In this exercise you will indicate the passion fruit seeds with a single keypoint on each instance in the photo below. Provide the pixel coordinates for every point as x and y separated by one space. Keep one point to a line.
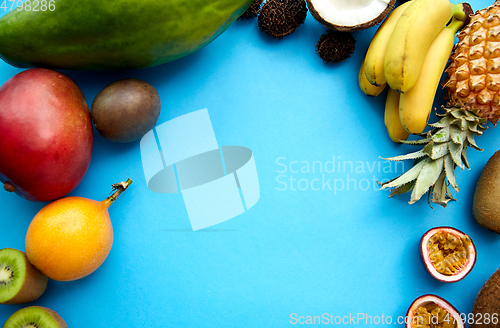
448 254
433 311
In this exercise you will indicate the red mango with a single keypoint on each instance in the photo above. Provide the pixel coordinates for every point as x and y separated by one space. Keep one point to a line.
45 135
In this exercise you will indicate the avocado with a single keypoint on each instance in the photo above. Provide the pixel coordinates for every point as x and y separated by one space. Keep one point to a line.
110 35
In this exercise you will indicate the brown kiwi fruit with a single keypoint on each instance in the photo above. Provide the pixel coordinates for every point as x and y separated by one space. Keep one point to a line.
35 316
20 281
485 205
486 310
125 110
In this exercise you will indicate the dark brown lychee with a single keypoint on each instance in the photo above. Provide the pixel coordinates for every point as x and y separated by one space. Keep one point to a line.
279 18
253 11
335 46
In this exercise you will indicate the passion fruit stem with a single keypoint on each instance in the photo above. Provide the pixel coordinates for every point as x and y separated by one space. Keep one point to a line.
118 188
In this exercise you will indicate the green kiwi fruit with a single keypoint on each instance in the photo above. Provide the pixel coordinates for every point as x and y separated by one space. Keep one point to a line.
35 316
485 205
125 110
20 281
486 309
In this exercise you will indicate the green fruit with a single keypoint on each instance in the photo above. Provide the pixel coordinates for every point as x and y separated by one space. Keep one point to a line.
105 35
485 205
20 281
125 110
35 316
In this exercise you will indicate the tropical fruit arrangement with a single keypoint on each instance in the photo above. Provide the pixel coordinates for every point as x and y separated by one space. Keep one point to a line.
46 126
410 61
471 88
408 55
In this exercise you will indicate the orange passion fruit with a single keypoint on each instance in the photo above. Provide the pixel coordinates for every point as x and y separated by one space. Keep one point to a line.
71 237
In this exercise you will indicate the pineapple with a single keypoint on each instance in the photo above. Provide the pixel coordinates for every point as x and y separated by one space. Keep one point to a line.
473 91
474 72
445 148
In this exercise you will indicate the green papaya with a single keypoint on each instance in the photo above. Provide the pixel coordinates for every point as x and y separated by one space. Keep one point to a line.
108 35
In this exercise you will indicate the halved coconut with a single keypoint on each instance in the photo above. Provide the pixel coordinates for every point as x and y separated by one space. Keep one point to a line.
448 253
432 311
349 15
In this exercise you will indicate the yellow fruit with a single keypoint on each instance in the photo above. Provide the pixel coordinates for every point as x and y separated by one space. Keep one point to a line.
473 75
395 129
365 85
415 105
71 237
413 34
473 89
375 55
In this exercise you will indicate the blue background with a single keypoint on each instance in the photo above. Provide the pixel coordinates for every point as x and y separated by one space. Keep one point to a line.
305 252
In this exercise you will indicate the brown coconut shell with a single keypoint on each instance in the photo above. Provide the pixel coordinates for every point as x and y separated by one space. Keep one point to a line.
33 286
317 15
488 301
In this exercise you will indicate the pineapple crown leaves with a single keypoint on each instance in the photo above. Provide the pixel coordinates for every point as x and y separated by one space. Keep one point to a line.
444 148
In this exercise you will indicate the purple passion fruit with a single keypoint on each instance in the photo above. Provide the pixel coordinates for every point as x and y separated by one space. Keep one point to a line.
432 311
125 110
448 254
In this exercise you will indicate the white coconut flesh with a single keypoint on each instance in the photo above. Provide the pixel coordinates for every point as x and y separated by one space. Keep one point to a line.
465 265
430 301
350 13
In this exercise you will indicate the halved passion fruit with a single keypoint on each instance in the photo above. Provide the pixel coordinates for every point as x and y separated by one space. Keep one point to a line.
448 254
433 311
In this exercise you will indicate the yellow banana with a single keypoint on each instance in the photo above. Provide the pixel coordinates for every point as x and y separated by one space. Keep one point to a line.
391 117
374 59
413 34
415 106
365 85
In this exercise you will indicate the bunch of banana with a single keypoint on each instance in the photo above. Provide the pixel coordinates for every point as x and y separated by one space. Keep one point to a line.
409 53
